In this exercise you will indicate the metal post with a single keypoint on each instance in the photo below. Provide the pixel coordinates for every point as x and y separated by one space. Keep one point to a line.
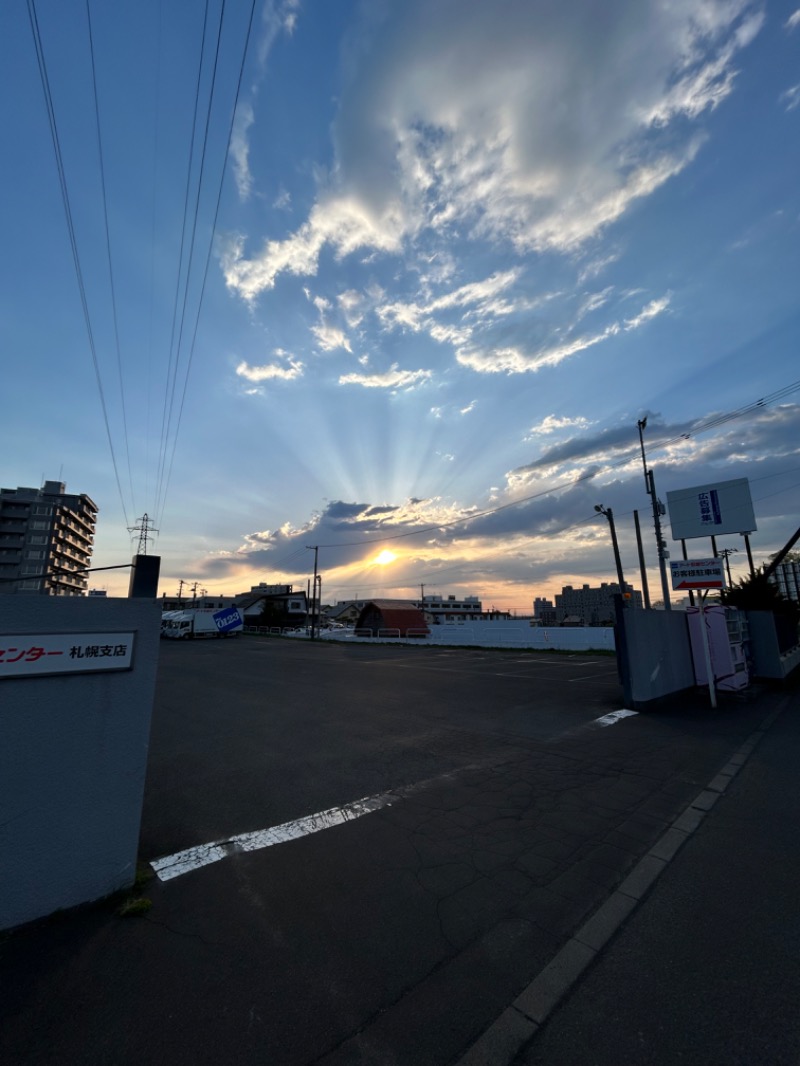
714 551
691 594
610 516
650 483
314 595
749 554
645 588
712 692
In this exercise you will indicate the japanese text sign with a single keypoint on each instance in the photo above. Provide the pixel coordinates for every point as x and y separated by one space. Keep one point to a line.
35 654
697 574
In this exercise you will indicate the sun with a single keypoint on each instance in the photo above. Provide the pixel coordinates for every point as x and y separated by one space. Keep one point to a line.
385 557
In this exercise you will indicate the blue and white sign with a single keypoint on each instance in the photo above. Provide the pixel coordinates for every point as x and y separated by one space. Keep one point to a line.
711 510
227 619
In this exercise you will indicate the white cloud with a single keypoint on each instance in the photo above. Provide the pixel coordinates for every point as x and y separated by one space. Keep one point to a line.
511 123
793 20
551 424
791 97
271 371
393 378
593 301
351 304
470 407
330 338
513 359
342 222
240 149
655 307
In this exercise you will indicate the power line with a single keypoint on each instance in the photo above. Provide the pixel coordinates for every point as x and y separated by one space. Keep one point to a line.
245 50
65 199
108 248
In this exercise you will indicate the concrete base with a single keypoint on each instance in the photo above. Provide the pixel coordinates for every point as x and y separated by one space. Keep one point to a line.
73 758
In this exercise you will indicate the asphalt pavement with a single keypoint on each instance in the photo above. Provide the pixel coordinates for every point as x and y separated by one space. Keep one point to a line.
395 845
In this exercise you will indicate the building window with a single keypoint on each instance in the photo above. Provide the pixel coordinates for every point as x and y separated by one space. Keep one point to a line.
34 554
29 584
43 510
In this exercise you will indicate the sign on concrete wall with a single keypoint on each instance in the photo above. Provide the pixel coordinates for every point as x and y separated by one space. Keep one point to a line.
711 510
697 574
34 654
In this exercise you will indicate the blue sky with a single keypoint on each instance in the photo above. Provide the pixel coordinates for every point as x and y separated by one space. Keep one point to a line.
455 252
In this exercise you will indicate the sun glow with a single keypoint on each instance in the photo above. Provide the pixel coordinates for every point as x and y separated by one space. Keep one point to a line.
385 557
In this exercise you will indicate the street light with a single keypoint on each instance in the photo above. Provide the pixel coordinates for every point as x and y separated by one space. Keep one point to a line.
658 510
610 516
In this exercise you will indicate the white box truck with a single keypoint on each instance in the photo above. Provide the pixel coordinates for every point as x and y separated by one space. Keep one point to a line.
187 625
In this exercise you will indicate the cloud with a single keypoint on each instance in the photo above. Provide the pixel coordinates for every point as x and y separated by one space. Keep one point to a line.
551 424
655 307
793 20
240 149
509 122
330 337
272 371
470 407
515 360
394 378
791 97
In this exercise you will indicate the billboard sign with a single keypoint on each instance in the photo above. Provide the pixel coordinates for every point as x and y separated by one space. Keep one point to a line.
711 510
697 574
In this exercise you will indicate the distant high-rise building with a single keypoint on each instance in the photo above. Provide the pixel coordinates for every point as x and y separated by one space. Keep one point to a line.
46 540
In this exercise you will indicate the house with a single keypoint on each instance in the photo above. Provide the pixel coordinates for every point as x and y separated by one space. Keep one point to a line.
273 605
388 617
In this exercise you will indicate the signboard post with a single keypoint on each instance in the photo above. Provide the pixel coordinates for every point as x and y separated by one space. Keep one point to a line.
702 574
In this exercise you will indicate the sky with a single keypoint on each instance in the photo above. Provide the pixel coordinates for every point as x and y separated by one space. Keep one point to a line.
399 279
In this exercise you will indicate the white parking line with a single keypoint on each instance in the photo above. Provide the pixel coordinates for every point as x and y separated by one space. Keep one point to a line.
614 716
182 862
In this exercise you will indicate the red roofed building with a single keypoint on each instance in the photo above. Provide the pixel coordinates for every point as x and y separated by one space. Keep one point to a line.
388 617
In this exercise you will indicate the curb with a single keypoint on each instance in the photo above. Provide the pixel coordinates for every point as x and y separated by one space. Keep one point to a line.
507 1035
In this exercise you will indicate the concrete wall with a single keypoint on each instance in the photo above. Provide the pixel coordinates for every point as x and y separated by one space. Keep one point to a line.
654 654
768 660
73 757
511 633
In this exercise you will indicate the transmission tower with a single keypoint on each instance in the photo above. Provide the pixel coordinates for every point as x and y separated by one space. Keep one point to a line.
145 531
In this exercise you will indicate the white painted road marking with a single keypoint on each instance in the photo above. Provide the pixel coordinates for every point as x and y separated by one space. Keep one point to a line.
182 862
610 719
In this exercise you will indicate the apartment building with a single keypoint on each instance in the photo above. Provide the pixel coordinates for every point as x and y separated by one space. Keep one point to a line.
592 606
46 540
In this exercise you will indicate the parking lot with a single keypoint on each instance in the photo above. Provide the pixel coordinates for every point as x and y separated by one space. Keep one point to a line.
387 844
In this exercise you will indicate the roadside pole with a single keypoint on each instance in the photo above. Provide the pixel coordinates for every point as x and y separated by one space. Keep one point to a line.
712 690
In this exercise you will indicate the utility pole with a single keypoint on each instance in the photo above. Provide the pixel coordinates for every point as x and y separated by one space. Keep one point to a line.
610 516
658 510
181 583
726 554
314 595
642 567
421 596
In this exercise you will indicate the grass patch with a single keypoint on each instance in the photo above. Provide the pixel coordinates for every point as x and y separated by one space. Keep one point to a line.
135 905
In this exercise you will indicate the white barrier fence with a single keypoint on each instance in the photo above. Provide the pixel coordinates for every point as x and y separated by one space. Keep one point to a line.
481 634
